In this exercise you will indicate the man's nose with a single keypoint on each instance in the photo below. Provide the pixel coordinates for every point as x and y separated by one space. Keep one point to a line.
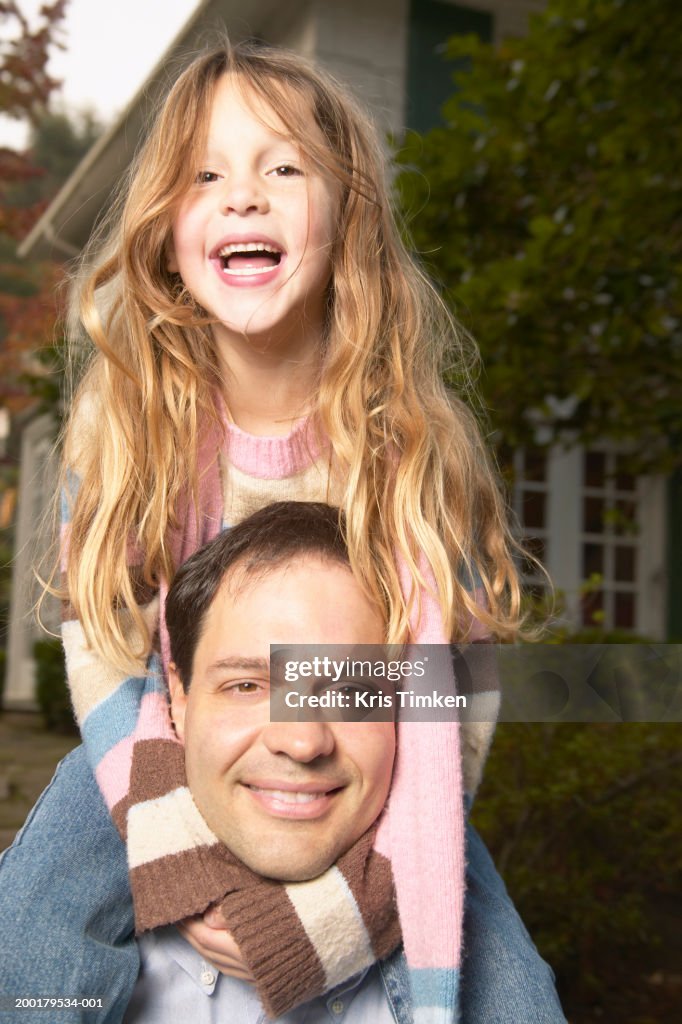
301 741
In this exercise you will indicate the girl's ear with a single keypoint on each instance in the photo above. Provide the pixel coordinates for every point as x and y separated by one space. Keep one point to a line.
178 701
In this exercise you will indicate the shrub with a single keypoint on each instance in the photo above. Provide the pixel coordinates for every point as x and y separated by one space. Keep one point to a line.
52 692
584 822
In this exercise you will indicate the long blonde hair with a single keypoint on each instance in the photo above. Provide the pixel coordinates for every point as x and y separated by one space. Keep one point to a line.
419 479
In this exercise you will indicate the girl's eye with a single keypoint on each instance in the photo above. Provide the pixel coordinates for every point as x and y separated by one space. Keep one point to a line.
286 171
206 177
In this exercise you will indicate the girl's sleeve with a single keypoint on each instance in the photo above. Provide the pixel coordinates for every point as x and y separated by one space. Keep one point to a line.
109 706
175 862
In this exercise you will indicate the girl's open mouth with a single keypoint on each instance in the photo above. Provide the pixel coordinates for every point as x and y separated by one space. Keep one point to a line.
248 259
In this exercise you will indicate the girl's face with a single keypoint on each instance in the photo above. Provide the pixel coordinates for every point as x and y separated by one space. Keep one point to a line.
252 239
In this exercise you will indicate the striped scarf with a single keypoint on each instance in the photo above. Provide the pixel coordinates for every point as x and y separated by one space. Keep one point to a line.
293 948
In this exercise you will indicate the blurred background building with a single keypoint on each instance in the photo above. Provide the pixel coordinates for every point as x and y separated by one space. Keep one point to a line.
582 511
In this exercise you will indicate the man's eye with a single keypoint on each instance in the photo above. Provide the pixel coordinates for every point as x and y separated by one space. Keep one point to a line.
206 177
244 688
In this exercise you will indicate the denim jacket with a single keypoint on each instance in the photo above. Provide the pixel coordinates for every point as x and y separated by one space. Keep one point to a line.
396 981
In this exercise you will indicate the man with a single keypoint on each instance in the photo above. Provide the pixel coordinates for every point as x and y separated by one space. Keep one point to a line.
297 803
288 799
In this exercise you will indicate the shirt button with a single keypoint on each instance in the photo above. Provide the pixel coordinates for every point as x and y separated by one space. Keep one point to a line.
207 977
337 1007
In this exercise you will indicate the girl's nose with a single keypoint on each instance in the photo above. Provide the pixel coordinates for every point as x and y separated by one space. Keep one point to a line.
244 194
301 741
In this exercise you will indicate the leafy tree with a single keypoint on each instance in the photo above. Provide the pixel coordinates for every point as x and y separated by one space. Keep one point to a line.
58 140
28 180
31 356
25 88
550 207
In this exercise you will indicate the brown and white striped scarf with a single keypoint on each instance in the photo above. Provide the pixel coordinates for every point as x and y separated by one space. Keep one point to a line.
292 942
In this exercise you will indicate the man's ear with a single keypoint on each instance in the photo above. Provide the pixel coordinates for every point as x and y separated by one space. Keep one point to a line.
178 701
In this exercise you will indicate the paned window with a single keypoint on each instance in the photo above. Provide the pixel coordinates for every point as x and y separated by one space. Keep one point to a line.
609 540
599 531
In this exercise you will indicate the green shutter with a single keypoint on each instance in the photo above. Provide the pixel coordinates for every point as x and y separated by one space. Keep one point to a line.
429 76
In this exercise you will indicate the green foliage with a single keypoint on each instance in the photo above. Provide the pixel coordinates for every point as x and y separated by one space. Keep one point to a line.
34 349
25 88
57 143
52 691
549 207
47 380
584 821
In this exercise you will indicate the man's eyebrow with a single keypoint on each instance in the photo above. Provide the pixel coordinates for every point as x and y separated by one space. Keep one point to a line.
239 661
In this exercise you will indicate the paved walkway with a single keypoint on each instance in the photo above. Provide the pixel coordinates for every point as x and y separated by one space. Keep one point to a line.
28 756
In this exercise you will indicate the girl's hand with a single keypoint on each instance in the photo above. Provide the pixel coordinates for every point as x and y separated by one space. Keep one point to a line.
208 935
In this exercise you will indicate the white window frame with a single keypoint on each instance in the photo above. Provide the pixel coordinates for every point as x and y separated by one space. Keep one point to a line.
564 536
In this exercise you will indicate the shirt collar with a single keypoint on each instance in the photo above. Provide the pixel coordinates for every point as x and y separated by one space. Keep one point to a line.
205 976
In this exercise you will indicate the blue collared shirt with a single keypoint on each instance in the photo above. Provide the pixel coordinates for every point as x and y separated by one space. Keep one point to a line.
176 985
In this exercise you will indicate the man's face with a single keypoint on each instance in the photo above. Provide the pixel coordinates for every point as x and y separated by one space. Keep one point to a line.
287 798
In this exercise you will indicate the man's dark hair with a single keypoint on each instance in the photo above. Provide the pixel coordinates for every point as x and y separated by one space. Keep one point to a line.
272 537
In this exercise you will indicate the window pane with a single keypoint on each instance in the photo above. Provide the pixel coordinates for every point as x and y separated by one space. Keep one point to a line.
624 611
536 546
595 469
528 568
625 518
624 569
593 560
625 481
534 508
534 465
592 606
593 515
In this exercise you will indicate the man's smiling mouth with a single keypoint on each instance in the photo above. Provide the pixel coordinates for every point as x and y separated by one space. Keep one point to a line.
305 801
293 797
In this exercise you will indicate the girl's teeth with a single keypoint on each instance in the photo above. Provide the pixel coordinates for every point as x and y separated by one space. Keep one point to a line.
247 272
245 247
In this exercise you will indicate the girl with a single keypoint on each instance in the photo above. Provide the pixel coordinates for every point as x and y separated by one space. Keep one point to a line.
260 332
